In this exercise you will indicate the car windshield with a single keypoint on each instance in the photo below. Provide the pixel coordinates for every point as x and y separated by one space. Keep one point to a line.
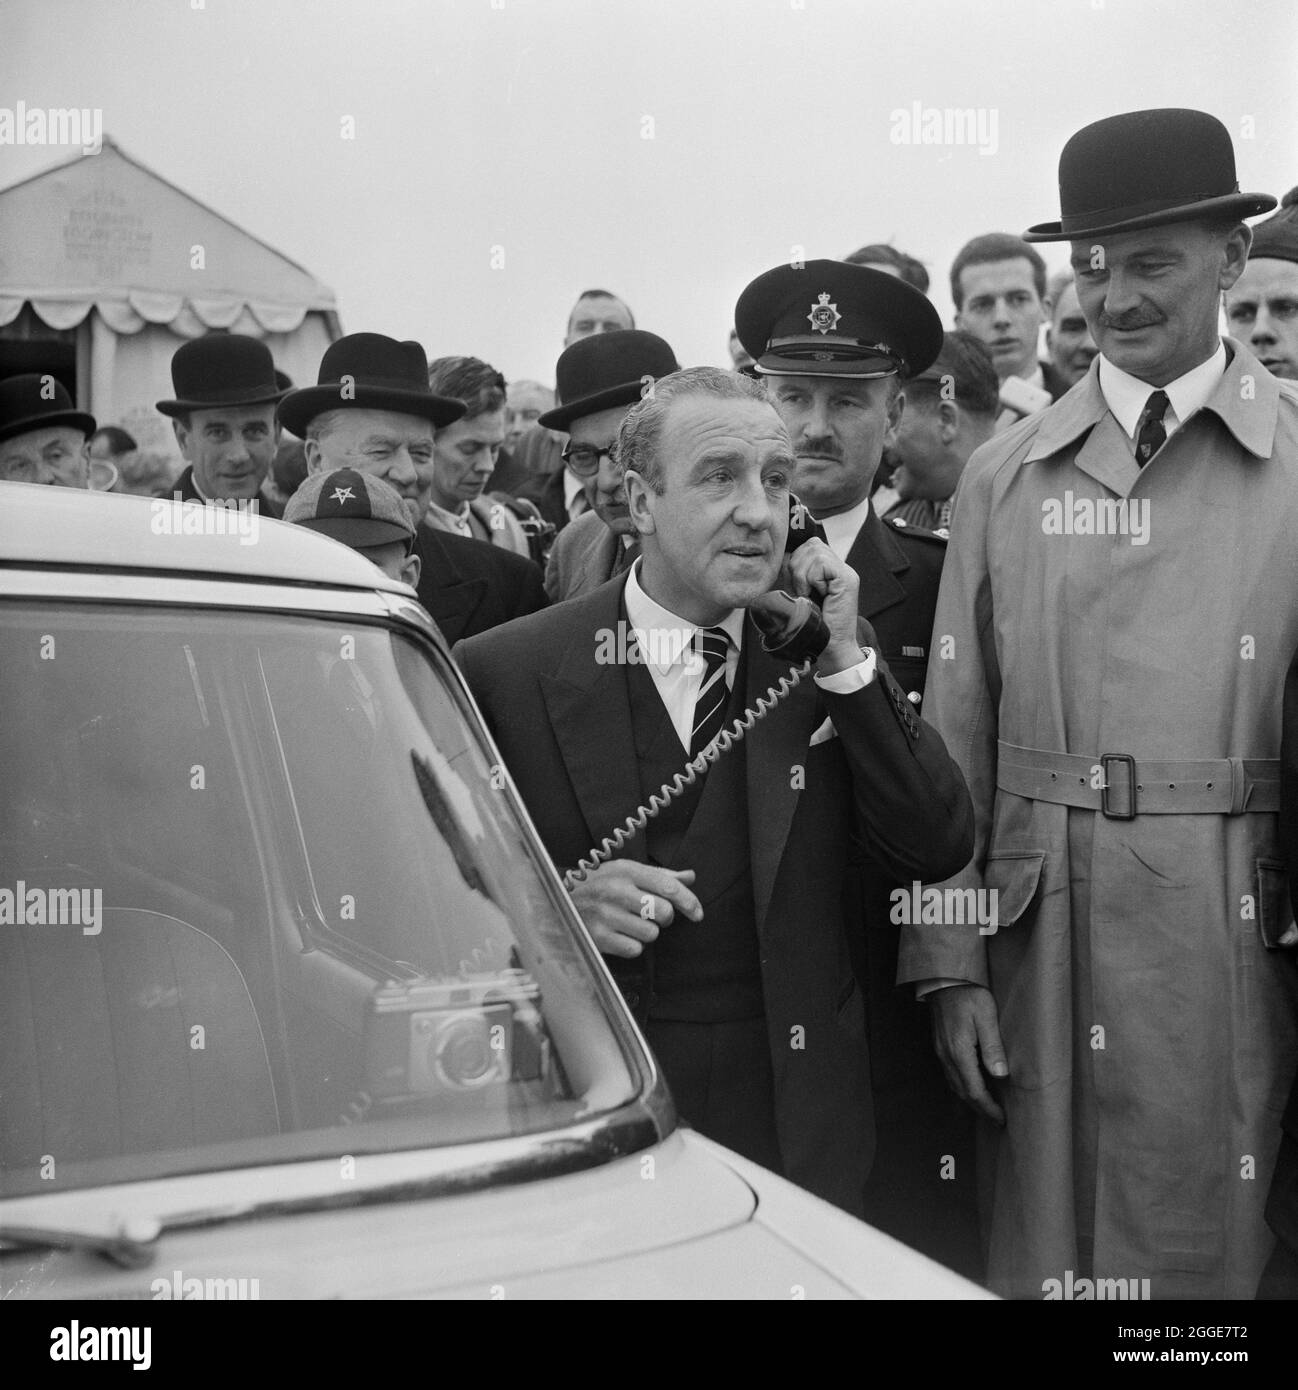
263 897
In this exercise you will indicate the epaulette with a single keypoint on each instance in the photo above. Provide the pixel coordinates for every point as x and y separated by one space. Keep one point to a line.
908 528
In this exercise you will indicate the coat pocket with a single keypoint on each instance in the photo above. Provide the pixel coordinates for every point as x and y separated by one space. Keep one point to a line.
1275 920
1013 878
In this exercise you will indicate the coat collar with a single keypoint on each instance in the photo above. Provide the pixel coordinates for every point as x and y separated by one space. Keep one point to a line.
1246 401
590 713
878 560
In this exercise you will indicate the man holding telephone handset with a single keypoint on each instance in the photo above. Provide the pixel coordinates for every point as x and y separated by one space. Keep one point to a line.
722 917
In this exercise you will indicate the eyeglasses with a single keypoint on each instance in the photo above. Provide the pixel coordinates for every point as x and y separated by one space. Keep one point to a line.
583 459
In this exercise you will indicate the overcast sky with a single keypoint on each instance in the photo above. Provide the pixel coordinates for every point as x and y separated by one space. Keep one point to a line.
669 150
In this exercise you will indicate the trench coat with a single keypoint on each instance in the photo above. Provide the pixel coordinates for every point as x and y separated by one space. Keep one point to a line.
1147 1008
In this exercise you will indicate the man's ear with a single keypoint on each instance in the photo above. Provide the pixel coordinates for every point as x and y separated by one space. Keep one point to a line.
314 457
182 438
638 493
896 409
948 421
1235 255
410 568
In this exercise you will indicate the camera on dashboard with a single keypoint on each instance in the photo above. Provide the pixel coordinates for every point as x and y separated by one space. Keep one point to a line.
427 1037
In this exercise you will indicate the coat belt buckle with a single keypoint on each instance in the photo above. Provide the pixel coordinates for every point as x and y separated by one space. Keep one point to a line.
1105 809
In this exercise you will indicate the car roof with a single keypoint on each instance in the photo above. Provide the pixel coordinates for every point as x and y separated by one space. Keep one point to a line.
65 526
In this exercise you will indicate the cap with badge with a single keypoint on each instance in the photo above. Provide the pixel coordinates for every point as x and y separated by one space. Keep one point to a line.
831 318
352 507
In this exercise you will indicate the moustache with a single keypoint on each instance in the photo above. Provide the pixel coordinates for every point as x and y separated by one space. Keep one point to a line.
1127 324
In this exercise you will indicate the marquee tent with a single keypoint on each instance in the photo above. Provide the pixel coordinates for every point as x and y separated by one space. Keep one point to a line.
106 268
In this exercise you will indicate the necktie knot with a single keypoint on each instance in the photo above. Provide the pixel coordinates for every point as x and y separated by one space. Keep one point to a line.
713 645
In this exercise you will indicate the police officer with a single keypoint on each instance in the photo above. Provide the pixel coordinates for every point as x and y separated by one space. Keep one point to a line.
835 343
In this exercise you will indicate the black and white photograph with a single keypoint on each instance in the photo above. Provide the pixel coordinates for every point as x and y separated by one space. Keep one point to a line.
649 651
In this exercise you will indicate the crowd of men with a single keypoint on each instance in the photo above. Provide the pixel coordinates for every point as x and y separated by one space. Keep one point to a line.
1059 607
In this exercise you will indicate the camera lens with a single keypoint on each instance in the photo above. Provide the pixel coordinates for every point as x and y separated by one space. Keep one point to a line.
462 1052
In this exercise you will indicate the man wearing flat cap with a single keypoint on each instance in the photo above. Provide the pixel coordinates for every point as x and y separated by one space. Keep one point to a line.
1262 305
372 410
1119 602
223 416
44 438
835 344
599 379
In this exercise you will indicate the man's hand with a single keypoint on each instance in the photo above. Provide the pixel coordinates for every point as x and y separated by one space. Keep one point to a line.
625 904
964 1026
813 569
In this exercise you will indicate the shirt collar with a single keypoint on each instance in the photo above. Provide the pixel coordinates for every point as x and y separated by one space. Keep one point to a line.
1245 399
648 615
1037 379
841 530
1126 395
460 519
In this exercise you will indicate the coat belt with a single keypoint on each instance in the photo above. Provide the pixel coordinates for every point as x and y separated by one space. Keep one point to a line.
1128 786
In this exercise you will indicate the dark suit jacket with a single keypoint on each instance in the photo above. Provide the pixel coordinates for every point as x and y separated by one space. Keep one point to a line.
900 568
189 493
562 721
469 586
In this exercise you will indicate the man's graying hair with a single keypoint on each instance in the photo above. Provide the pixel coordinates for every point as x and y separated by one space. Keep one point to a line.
640 434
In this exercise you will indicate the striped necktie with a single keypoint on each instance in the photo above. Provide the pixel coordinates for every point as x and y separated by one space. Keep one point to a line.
1151 434
712 644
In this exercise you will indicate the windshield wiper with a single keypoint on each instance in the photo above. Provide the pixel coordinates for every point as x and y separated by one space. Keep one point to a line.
132 1245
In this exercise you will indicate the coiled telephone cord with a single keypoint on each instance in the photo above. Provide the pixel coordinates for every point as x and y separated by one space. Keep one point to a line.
669 791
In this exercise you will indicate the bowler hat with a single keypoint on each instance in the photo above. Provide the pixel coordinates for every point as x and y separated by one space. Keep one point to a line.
352 507
368 371
221 369
36 401
605 370
1144 169
831 318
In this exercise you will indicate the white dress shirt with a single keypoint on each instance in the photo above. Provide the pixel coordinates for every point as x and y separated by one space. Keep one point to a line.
454 521
1126 395
666 643
841 530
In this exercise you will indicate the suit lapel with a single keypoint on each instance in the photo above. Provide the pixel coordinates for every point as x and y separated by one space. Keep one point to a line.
590 714
877 560
776 746
451 598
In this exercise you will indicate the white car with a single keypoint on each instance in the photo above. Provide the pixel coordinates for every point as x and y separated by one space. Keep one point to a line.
294 1004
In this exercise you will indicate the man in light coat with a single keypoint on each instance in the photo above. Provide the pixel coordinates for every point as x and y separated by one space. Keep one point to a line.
1118 606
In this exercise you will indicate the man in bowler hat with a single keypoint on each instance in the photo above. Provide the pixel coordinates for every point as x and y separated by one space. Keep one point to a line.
44 438
1119 603
372 410
599 379
223 414
835 344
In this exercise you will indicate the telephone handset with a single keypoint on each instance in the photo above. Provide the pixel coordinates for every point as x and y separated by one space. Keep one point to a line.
792 630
